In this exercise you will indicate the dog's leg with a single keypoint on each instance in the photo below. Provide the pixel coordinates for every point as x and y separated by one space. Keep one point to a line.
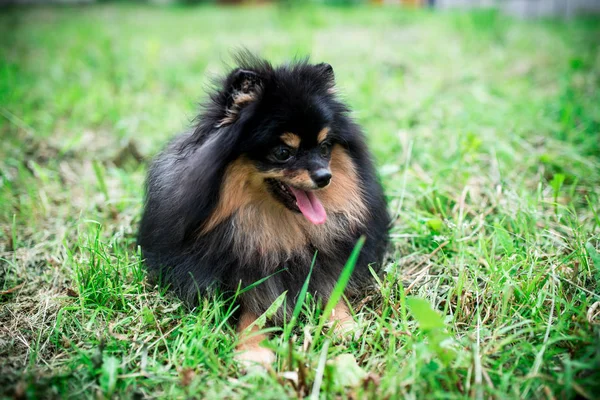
343 323
249 348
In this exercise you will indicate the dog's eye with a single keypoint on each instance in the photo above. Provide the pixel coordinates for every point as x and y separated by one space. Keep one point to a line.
325 149
281 153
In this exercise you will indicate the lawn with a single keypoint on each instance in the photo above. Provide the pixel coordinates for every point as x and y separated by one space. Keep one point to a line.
486 131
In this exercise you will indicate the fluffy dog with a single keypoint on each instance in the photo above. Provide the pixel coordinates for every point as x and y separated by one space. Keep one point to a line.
274 171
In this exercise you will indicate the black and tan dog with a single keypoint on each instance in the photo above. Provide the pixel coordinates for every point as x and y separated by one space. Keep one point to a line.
274 171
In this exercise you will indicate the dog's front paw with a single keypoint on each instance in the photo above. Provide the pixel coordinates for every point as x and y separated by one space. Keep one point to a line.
346 330
254 356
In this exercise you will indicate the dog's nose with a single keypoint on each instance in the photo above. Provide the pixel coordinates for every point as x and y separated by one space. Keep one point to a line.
321 177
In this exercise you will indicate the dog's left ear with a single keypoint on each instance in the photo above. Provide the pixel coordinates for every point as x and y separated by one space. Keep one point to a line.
242 87
326 71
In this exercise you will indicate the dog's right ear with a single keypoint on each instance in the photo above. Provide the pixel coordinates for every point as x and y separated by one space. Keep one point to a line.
326 71
242 87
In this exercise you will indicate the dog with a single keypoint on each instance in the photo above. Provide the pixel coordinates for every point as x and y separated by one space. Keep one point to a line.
274 171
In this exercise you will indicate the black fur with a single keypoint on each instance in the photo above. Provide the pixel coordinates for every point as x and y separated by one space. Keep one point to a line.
184 182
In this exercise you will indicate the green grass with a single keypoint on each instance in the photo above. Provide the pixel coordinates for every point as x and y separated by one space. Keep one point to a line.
487 133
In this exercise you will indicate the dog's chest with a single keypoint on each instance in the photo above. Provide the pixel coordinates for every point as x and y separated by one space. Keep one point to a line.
272 238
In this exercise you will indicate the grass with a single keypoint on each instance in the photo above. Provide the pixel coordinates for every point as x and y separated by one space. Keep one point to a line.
487 133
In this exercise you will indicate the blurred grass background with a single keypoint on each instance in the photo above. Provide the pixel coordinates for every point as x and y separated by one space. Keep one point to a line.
487 133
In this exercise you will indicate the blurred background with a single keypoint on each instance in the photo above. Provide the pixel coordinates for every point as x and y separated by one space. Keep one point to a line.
524 8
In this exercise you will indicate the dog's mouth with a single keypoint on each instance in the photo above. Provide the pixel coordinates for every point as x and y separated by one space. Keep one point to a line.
298 200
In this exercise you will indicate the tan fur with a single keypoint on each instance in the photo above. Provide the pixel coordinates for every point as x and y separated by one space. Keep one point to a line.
344 192
340 312
248 336
344 325
249 342
240 99
322 134
291 139
264 225
300 179
259 218
236 192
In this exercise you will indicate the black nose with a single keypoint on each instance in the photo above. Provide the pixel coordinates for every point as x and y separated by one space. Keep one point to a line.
321 177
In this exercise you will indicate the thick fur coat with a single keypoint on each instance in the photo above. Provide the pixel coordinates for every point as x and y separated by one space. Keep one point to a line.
274 171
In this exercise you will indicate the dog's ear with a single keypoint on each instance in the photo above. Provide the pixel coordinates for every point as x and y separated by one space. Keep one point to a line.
244 81
242 88
326 71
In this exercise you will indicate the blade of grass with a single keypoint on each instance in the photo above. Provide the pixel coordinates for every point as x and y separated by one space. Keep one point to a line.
98 170
299 303
339 288
14 232
593 209
258 282
320 371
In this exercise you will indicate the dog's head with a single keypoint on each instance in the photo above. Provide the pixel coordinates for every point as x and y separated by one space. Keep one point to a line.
291 131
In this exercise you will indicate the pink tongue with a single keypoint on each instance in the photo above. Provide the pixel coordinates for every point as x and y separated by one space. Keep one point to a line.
310 206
